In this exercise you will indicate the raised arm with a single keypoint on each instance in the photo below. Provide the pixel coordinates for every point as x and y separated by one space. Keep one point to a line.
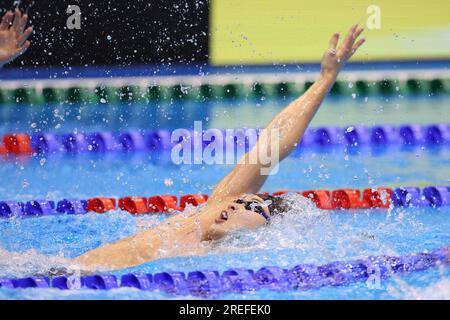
13 36
284 132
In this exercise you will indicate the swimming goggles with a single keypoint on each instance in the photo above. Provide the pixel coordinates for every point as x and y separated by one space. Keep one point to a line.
255 207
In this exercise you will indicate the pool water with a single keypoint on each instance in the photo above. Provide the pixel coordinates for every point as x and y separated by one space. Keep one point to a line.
30 246
338 111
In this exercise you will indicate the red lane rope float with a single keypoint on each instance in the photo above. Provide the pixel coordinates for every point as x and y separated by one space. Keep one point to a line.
321 198
101 205
348 199
167 203
142 205
134 205
378 198
193 199
17 143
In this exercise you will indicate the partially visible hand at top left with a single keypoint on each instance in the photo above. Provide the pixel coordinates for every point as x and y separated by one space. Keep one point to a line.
13 36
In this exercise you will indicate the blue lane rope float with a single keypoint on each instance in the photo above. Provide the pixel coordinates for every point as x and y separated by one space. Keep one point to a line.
210 283
71 206
432 196
160 140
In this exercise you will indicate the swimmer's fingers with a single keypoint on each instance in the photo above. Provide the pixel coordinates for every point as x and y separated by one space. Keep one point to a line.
6 20
348 40
21 50
358 44
357 33
24 36
24 47
346 49
333 42
17 20
22 24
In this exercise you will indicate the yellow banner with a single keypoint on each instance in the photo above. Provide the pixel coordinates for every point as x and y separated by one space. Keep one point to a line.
296 31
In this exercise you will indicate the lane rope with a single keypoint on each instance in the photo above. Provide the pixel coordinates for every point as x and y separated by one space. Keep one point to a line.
339 199
147 91
160 140
210 283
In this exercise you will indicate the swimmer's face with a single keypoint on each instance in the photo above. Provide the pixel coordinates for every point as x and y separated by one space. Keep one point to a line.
236 216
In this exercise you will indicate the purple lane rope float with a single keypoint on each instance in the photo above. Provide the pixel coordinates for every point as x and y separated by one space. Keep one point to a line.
160 140
210 283
339 199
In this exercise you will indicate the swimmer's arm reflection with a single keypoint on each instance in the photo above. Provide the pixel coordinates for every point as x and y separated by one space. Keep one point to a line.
13 36
180 235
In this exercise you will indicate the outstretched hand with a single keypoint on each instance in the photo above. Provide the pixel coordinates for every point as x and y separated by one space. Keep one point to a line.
335 57
13 36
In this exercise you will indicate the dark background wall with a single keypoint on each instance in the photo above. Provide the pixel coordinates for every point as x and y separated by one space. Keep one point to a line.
117 32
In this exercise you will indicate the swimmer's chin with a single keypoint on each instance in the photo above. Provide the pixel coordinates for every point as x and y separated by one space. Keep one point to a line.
216 232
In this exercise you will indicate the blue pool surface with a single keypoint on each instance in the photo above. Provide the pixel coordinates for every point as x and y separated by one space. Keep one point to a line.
29 246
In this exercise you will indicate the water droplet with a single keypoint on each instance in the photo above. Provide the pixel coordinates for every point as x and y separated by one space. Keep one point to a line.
168 182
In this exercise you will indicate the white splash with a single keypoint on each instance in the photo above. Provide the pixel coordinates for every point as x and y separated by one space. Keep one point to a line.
30 262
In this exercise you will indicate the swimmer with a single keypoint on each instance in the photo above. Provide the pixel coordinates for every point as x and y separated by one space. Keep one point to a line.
13 36
235 203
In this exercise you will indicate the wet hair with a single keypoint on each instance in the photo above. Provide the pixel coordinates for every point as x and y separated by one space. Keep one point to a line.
278 204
